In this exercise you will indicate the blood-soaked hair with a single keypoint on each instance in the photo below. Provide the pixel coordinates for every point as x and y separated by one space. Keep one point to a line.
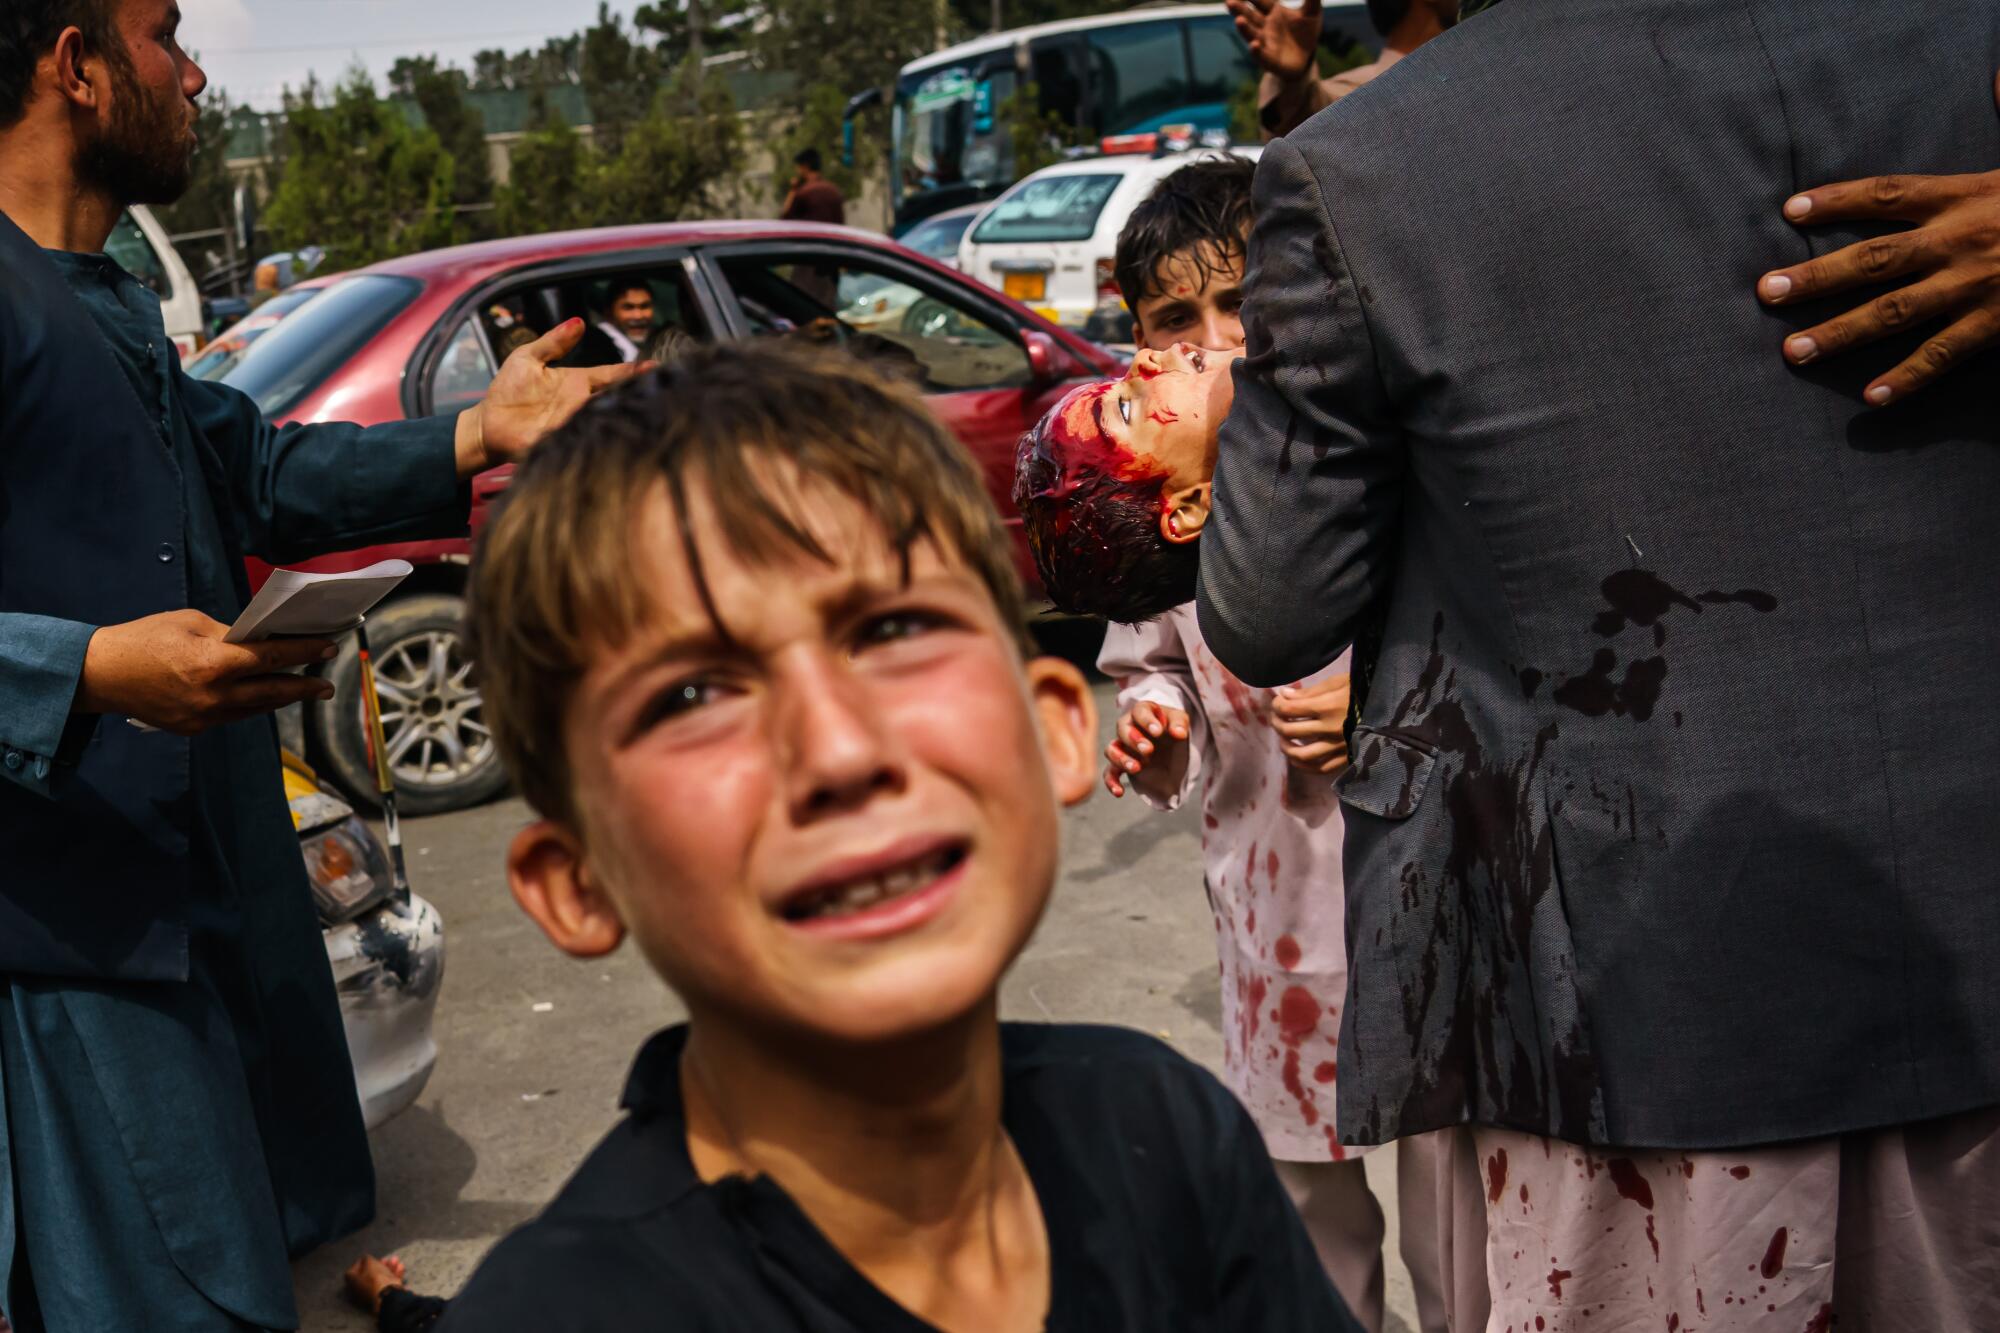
1201 214
1093 528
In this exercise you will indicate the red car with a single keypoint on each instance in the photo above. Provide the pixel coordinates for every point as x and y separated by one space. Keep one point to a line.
423 335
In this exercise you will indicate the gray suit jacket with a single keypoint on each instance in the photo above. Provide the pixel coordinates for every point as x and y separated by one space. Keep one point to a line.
1672 817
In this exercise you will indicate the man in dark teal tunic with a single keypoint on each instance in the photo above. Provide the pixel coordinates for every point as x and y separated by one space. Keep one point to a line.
177 1110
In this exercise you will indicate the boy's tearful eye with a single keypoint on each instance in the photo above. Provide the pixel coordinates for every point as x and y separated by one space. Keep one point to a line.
678 700
1125 409
897 627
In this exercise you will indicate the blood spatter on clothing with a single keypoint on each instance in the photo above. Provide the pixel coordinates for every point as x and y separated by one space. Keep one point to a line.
1594 693
1524 1194
1641 598
1653 1238
1773 1262
1673 1323
1701 1306
1496 1175
1822 1319
1271 864
1740 1172
1308 1107
1298 1015
1259 988
1287 952
1250 922
1753 598
1687 1168
1336 1151
1209 821
1326 1071
1625 1176
1637 597
1558 1276
1475 1003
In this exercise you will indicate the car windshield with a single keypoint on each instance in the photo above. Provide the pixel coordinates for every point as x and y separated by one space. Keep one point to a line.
938 238
279 369
1048 208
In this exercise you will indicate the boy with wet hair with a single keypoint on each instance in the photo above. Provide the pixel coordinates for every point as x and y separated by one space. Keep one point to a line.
1180 258
1114 491
736 624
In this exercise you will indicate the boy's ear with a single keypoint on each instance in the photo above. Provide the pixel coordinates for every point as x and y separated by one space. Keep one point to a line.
1068 716
1186 514
545 868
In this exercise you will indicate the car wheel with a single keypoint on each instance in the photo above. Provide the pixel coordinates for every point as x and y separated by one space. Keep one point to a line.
927 318
433 725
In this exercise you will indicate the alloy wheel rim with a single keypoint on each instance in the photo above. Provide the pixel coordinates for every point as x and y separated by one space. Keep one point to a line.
432 716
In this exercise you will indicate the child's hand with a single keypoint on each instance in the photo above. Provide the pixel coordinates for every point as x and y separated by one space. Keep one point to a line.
370 1277
1146 734
1311 723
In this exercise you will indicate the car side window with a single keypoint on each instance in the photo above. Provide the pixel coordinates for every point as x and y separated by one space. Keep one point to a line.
128 247
628 314
464 371
945 344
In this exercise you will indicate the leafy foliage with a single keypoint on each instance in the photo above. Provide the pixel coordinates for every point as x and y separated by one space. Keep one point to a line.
673 163
359 179
460 128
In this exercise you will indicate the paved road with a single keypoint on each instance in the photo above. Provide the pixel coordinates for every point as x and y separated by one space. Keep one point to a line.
519 1095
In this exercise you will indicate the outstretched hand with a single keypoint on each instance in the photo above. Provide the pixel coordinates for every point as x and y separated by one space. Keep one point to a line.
1284 41
1949 263
530 397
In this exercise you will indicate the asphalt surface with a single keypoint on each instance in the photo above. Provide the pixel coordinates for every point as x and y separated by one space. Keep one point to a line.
534 1045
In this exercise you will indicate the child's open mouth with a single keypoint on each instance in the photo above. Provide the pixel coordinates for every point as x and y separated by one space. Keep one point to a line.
881 898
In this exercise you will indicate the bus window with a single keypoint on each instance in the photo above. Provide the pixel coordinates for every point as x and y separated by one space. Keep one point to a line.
1222 62
1139 73
1057 69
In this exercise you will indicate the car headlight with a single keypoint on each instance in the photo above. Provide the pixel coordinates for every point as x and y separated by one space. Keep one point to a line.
348 869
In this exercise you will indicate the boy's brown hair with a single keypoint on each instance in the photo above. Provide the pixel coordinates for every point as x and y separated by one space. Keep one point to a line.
553 584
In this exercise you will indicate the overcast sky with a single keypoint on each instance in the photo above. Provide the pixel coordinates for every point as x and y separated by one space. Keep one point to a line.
253 49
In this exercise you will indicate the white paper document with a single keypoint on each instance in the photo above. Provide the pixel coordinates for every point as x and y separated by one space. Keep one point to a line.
315 605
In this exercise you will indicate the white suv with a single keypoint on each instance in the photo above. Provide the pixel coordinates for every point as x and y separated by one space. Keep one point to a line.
1049 241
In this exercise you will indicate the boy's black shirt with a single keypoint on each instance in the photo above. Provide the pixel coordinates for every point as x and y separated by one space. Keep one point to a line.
1163 1212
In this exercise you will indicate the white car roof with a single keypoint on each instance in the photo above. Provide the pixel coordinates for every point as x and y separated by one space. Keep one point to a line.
1135 164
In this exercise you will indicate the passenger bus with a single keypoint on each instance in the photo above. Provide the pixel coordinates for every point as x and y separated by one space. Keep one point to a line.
1123 73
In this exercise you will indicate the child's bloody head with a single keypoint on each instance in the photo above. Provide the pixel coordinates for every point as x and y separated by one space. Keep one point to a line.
1113 485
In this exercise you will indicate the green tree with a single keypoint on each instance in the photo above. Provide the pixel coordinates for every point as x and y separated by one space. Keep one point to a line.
359 179
459 126
674 163
551 178
685 30
619 77
850 44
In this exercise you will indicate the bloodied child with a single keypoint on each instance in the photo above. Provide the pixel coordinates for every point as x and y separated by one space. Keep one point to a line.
737 626
1113 487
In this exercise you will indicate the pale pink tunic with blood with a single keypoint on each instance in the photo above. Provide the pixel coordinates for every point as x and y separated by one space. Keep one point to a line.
1271 853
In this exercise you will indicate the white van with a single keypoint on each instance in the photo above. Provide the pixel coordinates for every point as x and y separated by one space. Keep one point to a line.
1048 242
140 245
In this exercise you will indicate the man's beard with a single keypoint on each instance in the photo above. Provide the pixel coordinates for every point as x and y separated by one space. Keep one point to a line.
144 153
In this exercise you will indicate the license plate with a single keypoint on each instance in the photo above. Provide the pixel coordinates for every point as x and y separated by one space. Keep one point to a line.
1025 286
